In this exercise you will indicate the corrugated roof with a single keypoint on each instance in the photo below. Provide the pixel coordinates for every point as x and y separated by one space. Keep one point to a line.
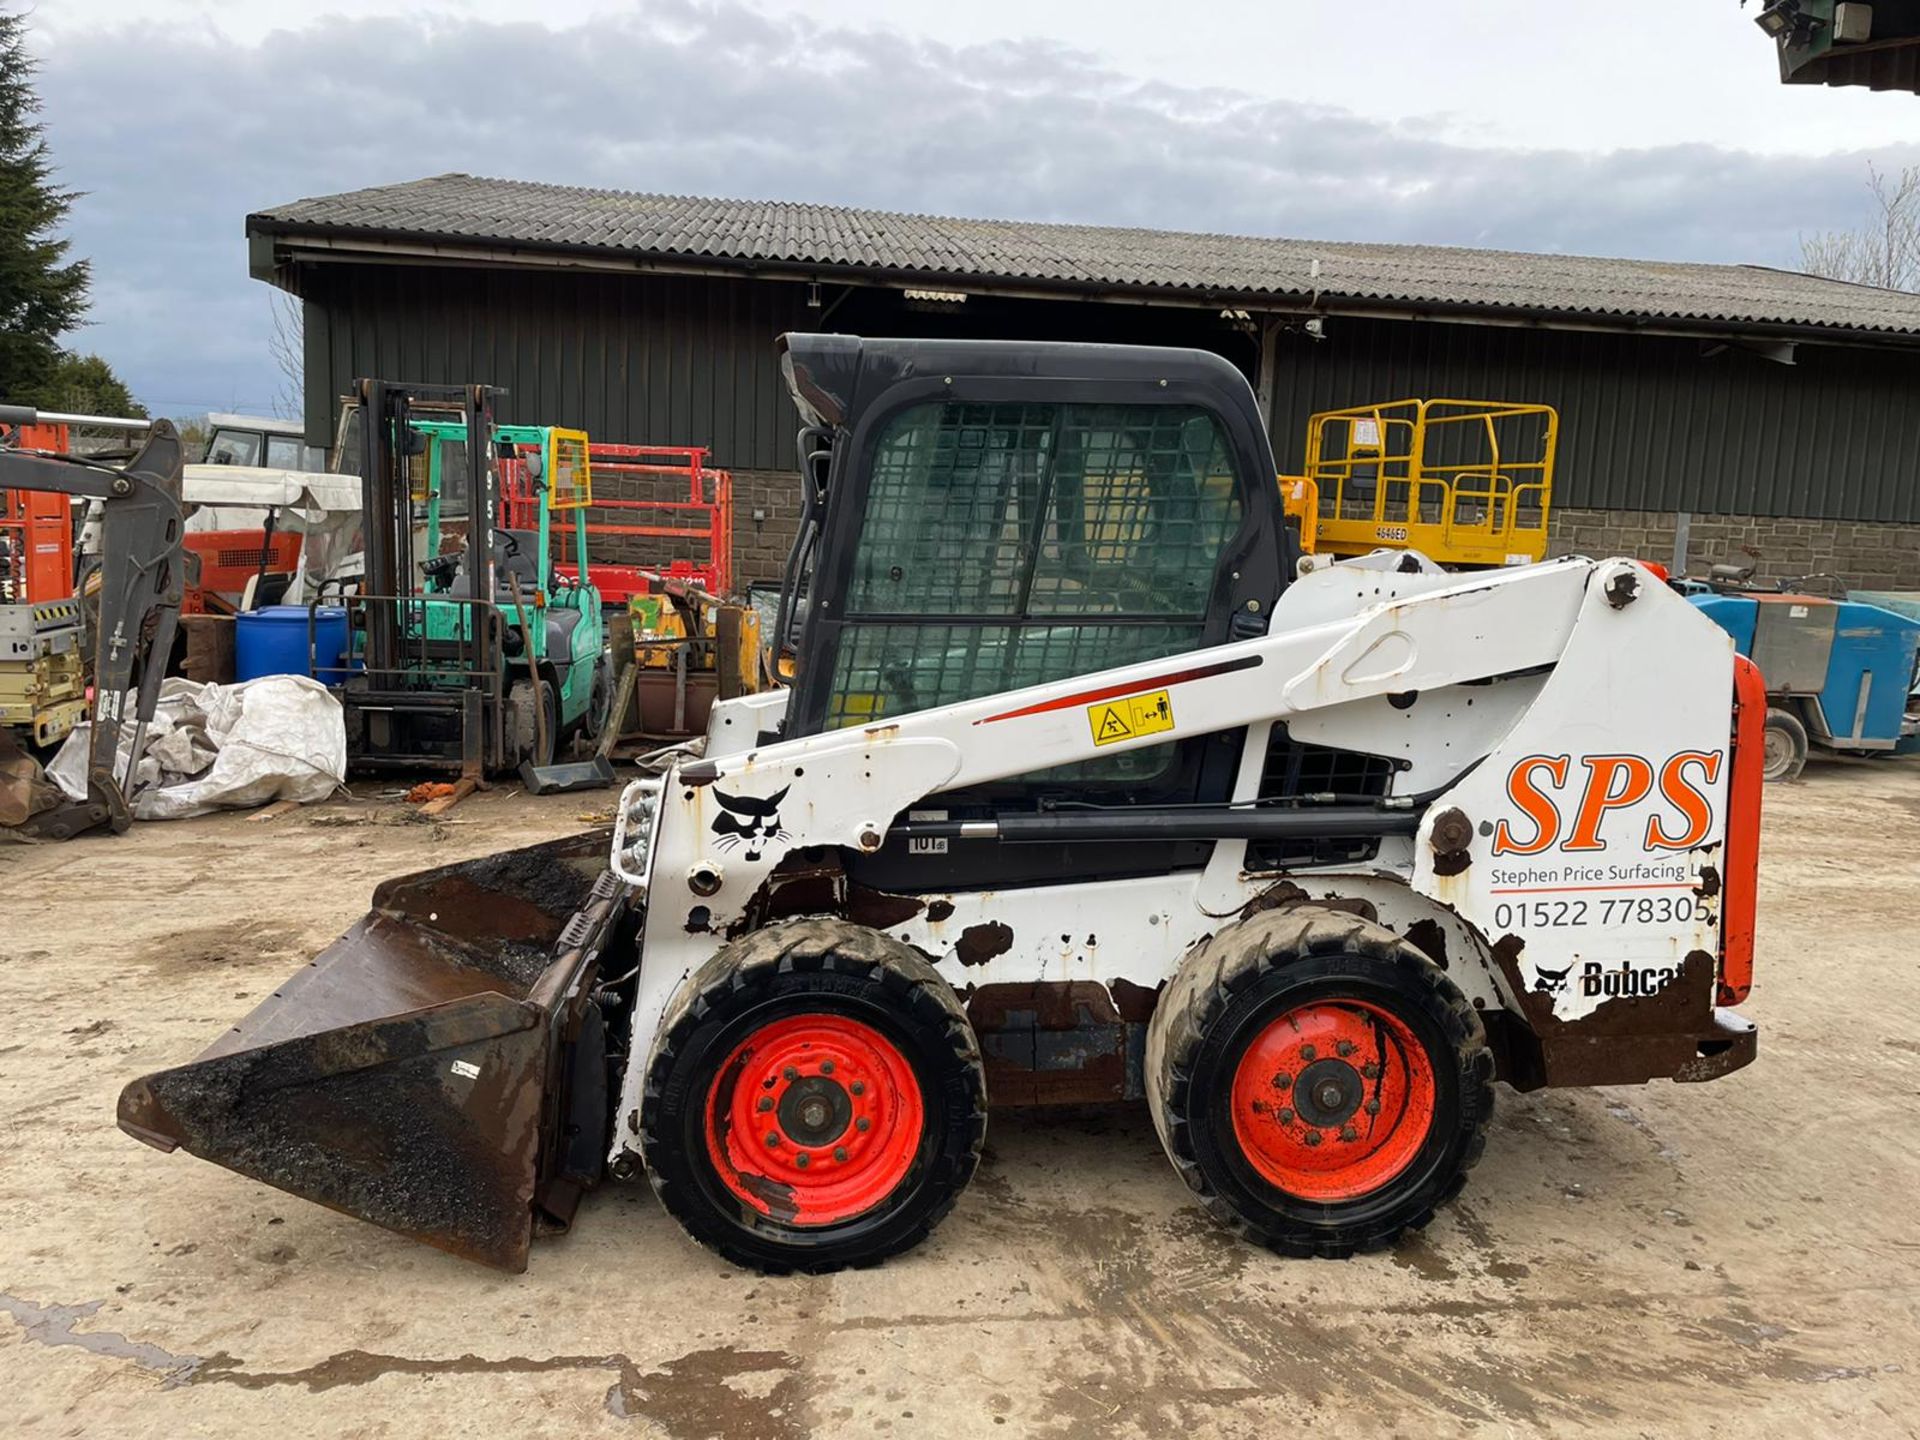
733 234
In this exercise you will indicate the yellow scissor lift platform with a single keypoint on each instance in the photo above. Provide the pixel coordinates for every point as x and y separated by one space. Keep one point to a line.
1467 483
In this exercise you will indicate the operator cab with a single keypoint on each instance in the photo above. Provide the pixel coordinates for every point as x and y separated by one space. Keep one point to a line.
970 528
253 440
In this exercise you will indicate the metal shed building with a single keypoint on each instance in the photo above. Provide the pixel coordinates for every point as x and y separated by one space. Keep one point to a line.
1780 410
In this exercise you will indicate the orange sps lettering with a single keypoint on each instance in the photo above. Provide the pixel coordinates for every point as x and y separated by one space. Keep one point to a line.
1561 807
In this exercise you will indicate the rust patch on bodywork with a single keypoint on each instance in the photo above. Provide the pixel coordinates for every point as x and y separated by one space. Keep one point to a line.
980 943
1057 1043
1135 1002
802 883
1450 835
1709 885
1426 936
1655 1025
815 883
1284 895
1274 897
880 908
939 910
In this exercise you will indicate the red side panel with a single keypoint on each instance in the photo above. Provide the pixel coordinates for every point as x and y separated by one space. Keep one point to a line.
1744 787
230 558
38 525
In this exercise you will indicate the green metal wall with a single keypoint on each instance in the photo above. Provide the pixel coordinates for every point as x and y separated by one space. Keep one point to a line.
663 360
1647 422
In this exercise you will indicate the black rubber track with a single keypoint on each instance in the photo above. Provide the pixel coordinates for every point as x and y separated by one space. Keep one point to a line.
1269 963
797 967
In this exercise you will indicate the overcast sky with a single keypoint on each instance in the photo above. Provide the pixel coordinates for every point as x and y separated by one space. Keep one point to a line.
1656 129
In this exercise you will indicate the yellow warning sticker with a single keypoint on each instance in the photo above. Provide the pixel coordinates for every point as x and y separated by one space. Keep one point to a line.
1116 720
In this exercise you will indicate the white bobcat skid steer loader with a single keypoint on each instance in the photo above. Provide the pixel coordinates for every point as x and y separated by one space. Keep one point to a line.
1073 797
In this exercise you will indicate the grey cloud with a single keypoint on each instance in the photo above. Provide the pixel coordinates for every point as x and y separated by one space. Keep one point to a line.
177 136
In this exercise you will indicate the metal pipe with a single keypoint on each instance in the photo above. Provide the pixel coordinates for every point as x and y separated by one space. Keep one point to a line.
27 415
1159 823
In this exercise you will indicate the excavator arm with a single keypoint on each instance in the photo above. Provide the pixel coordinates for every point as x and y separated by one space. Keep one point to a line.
140 587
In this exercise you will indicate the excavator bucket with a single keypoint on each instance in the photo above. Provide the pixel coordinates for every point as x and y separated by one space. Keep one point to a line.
439 1070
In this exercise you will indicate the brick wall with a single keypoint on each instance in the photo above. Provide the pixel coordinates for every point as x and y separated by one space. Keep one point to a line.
759 548
1866 556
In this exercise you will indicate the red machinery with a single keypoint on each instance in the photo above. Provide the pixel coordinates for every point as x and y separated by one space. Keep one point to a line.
36 531
227 560
704 515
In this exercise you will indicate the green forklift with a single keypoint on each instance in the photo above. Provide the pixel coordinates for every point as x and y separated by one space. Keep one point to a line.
471 653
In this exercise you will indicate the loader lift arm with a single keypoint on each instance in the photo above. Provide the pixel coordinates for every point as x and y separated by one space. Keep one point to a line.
140 590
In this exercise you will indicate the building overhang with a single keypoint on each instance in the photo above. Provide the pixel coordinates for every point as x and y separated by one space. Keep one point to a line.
278 252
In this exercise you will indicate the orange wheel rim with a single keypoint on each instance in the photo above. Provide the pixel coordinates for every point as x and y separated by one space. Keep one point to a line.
814 1119
1333 1100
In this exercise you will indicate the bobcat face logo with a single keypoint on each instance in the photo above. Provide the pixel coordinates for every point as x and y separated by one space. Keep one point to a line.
746 820
1550 982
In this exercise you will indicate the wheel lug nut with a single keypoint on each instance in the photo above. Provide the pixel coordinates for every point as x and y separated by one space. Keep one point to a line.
790 1073
1373 1107
1347 1132
766 1103
826 1067
1343 1049
1286 1117
859 1087
863 1124
1313 1137
802 1159
1282 1080
840 1153
1307 1052
1370 1070
773 1138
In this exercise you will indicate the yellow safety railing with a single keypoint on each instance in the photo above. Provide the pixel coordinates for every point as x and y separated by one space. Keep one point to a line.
1466 482
569 473
1300 502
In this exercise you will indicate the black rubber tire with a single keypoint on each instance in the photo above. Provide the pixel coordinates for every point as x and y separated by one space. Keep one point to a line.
593 720
797 967
1255 969
1784 746
522 734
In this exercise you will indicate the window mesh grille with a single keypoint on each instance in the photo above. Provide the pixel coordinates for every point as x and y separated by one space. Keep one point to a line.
990 525
1294 769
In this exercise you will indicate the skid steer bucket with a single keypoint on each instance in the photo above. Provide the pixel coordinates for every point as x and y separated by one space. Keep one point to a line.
438 1070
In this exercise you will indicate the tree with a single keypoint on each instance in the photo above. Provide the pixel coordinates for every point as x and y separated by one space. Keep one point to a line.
42 293
86 385
287 345
1886 251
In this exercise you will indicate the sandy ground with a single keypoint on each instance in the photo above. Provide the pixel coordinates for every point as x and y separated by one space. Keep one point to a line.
1738 1258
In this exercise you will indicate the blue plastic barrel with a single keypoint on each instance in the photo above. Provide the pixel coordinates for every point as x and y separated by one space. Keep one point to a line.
273 641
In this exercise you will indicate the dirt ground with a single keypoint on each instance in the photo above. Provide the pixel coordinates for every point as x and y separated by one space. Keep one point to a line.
1736 1258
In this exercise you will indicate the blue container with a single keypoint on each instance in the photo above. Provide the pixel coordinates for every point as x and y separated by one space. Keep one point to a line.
273 641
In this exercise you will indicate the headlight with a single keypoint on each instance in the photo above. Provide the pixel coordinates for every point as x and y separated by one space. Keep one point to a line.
634 827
